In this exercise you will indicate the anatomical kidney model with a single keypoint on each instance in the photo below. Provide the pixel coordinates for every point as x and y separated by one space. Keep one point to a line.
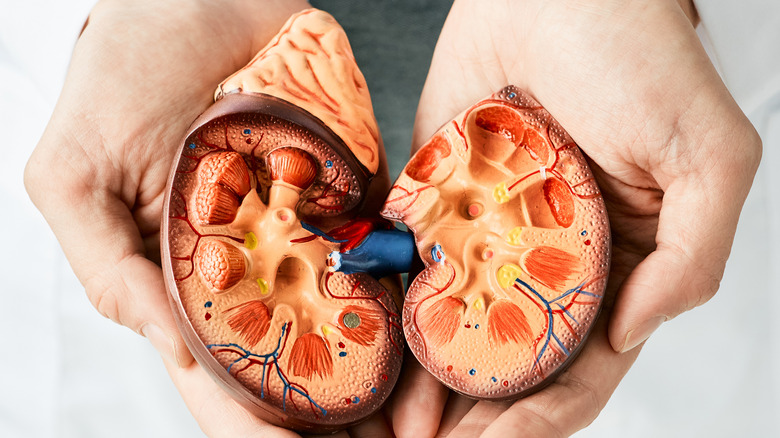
515 238
264 196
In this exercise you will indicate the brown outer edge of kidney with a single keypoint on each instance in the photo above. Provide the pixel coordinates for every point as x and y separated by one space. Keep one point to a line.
236 103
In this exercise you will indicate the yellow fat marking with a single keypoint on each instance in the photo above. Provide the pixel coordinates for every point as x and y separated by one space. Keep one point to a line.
514 236
326 330
500 193
479 303
250 240
263 286
507 275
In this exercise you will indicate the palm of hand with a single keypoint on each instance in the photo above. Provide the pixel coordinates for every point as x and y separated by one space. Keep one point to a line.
140 127
140 74
123 154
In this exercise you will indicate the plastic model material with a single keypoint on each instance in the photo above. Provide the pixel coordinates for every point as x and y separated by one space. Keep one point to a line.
513 231
284 285
266 192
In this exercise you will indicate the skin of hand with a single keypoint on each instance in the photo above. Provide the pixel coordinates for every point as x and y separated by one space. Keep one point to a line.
673 154
141 72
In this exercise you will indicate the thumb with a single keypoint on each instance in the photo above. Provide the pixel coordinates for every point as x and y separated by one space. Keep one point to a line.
132 293
696 229
80 200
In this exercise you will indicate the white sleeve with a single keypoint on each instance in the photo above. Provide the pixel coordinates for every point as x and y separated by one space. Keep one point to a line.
745 41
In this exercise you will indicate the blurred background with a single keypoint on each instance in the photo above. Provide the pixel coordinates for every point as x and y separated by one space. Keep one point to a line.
65 371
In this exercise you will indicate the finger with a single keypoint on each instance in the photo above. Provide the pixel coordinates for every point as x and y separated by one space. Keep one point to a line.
417 402
574 399
696 229
374 427
339 434
478 418
218 415
456 408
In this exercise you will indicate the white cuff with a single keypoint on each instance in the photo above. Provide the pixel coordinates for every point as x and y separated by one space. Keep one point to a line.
745 39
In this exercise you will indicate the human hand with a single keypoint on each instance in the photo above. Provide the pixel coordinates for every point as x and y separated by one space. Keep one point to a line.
672 152
140 74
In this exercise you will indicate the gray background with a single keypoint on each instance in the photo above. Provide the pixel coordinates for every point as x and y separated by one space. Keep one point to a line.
393 43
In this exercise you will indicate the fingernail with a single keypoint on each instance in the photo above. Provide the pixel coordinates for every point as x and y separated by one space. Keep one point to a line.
162 343
641 332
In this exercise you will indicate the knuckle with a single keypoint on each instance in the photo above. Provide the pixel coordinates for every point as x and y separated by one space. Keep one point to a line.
535 424
589 402
705 289
104 8
571 394
744 146
754 148
104 298
58 167
700 282
34 176
470 429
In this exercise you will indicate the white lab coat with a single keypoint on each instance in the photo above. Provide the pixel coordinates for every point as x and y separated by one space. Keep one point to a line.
65 371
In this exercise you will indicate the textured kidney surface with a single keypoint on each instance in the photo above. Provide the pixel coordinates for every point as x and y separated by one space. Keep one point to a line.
515 238
249 266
